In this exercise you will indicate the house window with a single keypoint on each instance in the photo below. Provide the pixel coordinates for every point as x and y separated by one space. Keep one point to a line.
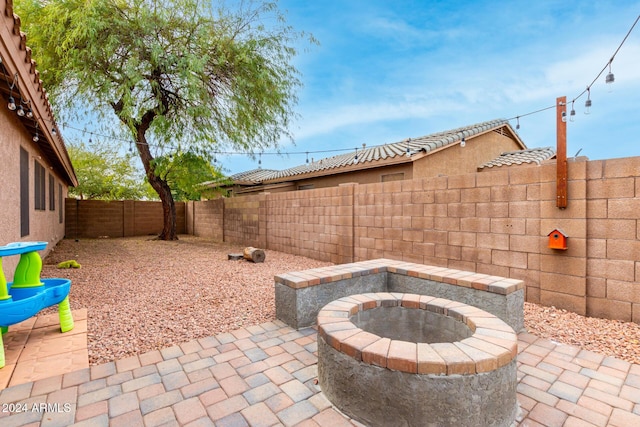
392 177
39 178
60 202
24 192
52 193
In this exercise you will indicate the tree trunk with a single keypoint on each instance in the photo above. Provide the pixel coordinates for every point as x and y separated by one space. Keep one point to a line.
169 229
139 129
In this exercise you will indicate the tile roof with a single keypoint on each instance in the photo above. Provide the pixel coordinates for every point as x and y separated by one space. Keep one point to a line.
396 150
16 60
254 176
533 155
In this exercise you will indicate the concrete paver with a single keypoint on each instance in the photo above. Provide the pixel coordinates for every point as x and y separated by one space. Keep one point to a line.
264 375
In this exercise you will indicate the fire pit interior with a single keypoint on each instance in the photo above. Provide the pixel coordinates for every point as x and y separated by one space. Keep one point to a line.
405 324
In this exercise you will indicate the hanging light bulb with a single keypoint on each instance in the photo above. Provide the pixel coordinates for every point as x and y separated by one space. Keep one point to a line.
30 113
408 152
355 158
518 122
130 147
463 142
307 157
260 162
610 79
572 114
20 111
564 116
54 132
35 137
587 103
12 104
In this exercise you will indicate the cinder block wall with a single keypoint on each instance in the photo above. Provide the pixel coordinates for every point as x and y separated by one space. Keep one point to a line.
241 220
206 219
97 218
313 223
493 222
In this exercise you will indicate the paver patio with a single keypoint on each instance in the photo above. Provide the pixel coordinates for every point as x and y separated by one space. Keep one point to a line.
36 349
264 375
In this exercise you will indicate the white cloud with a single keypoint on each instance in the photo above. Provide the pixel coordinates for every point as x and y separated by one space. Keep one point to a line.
326 120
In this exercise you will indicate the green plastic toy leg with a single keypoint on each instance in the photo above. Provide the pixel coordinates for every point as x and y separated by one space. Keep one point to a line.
28 270
2 362
4 292
64 312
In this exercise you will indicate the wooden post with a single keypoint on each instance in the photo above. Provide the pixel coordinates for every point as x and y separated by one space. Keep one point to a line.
561 152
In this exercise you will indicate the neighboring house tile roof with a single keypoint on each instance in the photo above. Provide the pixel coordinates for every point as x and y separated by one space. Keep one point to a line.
396 150
254 176
533 155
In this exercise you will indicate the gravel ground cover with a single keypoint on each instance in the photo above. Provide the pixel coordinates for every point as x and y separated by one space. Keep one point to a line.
143 294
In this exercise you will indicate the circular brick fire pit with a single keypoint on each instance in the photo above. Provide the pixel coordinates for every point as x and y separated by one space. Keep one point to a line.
404 359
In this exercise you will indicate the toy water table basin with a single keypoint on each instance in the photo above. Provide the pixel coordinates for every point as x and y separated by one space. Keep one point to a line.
28 294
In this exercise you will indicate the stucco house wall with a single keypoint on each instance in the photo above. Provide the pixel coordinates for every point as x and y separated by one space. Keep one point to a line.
456 160
20 154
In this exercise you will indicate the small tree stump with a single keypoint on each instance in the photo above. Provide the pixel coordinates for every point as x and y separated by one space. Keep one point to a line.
254 254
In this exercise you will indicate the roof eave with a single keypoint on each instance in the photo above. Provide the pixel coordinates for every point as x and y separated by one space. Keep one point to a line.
29 77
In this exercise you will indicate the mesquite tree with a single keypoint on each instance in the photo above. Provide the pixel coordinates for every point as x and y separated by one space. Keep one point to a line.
176 75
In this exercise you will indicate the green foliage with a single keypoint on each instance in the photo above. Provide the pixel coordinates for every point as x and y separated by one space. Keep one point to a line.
176 74
209 76
186 172
104 174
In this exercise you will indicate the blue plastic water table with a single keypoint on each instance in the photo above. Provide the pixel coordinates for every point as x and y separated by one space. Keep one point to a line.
28 294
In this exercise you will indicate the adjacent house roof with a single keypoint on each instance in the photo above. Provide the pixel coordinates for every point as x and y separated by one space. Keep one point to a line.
18 66
382 155
533 155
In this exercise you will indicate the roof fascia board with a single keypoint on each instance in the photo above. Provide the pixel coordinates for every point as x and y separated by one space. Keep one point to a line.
347 169
30 84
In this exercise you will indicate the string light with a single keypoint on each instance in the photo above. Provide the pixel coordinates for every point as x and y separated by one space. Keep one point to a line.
572 114
355 158
587 103
35 137
610 79
463 142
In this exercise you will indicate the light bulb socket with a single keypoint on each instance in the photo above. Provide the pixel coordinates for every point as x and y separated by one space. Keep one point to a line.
35 138
572 115
12 104
587 106
610 78
564 116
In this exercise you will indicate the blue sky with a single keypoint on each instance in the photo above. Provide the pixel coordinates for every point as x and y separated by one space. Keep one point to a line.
389 70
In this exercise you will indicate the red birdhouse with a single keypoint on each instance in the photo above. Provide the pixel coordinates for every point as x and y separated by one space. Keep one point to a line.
558 239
